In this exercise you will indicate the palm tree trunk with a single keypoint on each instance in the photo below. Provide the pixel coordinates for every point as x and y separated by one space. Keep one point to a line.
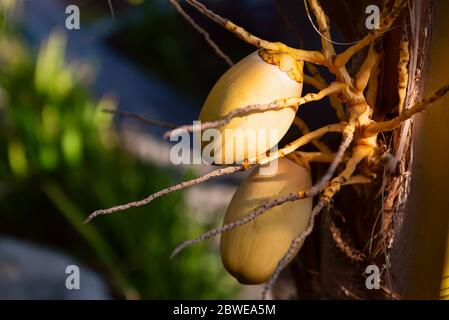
402 225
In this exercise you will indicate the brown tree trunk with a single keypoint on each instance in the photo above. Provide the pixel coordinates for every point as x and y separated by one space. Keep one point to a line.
419 255
402 224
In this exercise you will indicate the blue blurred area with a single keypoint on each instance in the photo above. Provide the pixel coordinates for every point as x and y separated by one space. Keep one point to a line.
29 271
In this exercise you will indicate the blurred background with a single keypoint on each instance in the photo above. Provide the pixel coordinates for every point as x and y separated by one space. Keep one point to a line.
61 157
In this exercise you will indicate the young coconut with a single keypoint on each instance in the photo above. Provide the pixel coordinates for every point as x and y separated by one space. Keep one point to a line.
252 81
252 251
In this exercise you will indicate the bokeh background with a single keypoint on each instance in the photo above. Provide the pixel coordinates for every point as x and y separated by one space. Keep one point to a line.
61 157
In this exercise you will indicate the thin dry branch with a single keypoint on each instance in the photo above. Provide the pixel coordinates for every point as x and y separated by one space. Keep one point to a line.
344 246
348 135
311 56
364 74
208 13
141 118
357 179
230 26
176 187
392 124
324 28
373 84
203 32
359 153
315 156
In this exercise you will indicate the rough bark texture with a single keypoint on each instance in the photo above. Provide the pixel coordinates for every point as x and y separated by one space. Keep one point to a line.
418 257
367 226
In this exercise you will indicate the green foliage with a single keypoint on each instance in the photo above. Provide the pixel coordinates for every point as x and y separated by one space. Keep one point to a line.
59 160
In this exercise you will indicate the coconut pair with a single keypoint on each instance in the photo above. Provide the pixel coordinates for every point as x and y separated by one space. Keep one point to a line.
252 251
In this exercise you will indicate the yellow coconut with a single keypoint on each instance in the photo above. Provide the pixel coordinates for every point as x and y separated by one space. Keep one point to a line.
251 81
251 252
